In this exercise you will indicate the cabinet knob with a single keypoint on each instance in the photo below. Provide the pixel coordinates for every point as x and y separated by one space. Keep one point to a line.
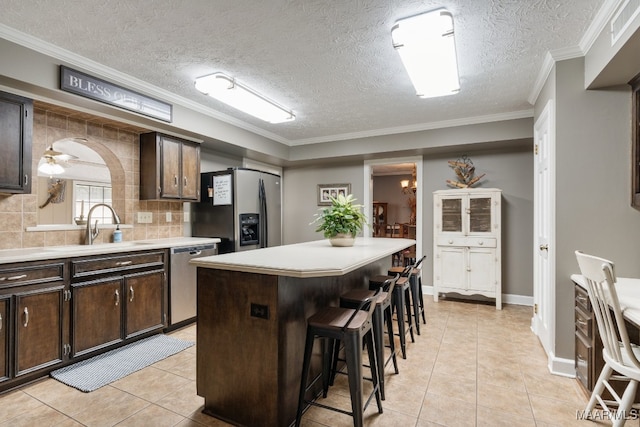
451 242
481 243
544 247
175 180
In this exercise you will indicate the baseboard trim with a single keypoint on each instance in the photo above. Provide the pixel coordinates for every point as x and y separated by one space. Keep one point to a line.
562 367
506 298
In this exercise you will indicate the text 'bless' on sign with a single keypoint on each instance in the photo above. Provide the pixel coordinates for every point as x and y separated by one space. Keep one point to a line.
92 87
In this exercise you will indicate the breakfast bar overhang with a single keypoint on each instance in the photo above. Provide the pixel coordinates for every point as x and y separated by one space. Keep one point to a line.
252 311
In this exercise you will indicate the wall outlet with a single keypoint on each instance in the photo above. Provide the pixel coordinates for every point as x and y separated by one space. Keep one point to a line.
145 217
187 216
168 216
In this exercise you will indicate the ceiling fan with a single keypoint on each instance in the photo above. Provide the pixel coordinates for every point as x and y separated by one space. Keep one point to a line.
52 160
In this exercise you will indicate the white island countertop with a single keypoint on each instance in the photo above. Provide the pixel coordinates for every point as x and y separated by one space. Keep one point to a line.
310 259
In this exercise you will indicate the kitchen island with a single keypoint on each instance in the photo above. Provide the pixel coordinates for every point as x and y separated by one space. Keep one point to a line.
252 311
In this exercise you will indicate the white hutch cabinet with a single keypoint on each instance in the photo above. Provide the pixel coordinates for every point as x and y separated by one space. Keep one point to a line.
466 243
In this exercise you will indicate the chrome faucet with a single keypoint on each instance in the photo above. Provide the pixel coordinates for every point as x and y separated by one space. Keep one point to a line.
92 234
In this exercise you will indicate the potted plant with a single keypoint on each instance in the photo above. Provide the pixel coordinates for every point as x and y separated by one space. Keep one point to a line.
341 221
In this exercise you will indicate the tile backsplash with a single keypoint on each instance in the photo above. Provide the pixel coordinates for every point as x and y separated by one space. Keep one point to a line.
118 145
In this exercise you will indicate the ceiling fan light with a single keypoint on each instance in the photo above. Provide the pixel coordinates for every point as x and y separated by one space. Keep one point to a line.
49 166
427 49
226 89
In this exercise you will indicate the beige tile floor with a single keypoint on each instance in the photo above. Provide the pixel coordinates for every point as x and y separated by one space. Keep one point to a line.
472 366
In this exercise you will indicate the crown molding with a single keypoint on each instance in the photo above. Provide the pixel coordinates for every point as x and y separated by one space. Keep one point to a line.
596 27
514 115
116 76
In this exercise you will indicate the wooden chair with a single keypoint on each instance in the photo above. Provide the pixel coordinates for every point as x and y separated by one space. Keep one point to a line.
619 354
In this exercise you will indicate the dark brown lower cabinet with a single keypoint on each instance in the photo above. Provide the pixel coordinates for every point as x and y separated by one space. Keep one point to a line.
58 312
144 305
115 298
588 345
39 332
97 314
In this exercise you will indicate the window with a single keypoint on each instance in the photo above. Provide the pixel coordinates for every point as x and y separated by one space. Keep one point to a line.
87 195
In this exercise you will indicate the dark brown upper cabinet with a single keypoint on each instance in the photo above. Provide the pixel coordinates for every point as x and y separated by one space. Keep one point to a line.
16 132
169 168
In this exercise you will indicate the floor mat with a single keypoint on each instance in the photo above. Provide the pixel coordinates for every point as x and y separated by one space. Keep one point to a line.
98 371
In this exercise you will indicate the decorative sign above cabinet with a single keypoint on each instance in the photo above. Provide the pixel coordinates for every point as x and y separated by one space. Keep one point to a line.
92 87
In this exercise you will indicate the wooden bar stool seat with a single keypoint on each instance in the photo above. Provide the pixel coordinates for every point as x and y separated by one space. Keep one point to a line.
352 328
381 315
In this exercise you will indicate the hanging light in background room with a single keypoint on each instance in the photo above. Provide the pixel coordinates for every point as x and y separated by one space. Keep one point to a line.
226 89
410 187
427 49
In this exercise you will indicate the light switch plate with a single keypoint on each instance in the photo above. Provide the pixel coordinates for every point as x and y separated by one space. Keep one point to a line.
168 216
187 216
145 217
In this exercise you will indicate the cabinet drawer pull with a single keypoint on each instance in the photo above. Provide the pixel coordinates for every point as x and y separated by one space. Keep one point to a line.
131 293
26 317
117 297
580 358
185 181
581 322
0 321
582 299
21 276
121 263
26 179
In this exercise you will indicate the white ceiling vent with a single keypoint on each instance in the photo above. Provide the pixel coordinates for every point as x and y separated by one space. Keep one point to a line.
623 17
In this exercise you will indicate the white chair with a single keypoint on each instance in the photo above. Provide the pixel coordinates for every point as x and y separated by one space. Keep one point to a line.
619 354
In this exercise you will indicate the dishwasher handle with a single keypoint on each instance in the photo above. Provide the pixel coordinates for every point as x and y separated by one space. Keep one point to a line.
195 253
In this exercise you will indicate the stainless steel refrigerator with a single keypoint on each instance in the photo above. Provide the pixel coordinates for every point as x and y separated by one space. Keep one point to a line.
241 206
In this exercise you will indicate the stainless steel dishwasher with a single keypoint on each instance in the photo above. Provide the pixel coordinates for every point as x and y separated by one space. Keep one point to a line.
182 285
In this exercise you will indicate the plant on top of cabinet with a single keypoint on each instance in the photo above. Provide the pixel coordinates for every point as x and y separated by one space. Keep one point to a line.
169 168
16 130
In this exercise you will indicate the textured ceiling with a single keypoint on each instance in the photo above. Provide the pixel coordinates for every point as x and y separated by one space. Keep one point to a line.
330 61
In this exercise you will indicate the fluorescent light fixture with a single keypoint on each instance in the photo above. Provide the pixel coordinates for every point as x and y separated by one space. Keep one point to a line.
228 90
427 48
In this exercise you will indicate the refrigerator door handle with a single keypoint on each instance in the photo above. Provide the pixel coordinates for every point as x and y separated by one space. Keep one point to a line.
264 229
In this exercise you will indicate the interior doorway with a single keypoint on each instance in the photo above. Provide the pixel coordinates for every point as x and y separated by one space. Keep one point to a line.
399 212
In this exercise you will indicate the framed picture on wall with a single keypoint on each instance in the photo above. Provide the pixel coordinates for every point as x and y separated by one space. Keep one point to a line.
326 191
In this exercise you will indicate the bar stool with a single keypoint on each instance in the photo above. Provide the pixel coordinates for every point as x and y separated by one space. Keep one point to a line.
417 300
381 315
353 328
400 301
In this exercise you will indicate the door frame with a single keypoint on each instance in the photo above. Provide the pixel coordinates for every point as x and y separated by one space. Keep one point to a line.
368 193
543 321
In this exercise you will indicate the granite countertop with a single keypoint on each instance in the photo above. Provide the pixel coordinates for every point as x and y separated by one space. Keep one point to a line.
70 251
310 259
